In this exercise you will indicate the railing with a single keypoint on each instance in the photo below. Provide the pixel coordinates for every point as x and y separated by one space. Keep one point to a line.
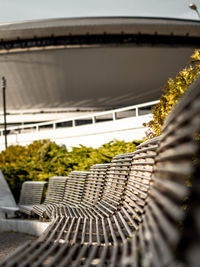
111 115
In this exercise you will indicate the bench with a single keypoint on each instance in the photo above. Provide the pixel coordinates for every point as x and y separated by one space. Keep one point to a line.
69 190
54 195
148 214
31 193
75 178
85 190
126 176
75 221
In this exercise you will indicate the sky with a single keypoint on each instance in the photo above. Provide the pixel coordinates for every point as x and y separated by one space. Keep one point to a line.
23 10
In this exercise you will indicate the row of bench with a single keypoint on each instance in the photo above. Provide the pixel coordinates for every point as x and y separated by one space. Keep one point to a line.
82 187
142 209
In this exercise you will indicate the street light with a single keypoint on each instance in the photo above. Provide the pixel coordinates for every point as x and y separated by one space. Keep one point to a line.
194 7
3 84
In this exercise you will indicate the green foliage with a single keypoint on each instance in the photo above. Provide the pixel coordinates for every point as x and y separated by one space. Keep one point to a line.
172 93
43 159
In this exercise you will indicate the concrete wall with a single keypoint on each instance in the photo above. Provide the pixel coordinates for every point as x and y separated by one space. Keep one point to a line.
6 197
23 226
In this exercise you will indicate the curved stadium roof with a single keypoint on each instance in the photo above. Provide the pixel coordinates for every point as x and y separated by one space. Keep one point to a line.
92 62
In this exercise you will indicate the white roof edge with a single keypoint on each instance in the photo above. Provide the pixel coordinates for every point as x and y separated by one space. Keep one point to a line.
99 25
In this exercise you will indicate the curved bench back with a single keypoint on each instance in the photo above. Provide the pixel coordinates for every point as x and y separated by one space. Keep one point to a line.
94 184
74 188
55 190
138 183
127 180
115 182
31 193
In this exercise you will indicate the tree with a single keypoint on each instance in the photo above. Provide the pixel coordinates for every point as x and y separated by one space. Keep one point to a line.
172 93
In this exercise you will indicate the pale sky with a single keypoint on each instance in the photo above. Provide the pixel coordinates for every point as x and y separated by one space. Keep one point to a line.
22 10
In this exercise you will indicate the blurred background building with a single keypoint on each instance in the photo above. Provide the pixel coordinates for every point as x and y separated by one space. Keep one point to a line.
61 69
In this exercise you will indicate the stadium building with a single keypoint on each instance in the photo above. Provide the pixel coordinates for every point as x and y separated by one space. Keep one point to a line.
57 67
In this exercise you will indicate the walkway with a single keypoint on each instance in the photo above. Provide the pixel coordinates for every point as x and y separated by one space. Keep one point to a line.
10 241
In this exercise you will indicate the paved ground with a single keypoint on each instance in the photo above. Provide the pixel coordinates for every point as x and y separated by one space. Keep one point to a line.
9 241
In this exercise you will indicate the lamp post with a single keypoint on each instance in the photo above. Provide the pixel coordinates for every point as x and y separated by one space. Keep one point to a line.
194 7
3 84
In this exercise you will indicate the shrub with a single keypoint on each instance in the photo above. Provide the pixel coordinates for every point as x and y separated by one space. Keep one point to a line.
43 159
172 93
